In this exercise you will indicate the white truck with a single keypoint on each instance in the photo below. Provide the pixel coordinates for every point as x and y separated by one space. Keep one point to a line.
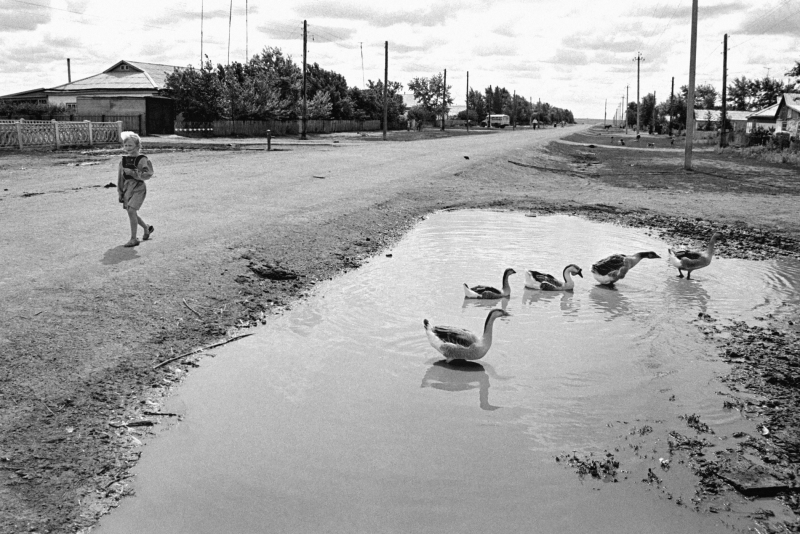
497 121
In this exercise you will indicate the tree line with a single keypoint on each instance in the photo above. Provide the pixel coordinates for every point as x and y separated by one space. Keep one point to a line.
742 94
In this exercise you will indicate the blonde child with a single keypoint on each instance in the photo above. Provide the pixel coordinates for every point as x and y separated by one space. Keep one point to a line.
134 169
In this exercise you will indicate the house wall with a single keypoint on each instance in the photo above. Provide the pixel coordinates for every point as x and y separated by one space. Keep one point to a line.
61 100
110 105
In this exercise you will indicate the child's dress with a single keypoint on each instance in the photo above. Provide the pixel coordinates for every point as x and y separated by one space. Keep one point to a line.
132 191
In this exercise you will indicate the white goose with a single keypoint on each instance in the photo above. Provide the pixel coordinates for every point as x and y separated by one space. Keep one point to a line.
689 260
615 267
547 282
459 344
489 292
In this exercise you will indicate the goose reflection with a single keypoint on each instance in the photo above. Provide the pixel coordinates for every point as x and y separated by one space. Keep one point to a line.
566 299
688 294
610 301
482 303
460 375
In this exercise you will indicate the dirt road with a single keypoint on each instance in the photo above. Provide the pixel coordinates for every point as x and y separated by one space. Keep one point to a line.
238 235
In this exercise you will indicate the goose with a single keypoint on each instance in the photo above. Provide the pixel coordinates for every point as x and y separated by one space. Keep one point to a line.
690 260
615 267
547 282
459 344
488 292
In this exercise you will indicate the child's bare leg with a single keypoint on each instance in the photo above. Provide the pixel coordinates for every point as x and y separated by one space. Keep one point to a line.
141 222
133 218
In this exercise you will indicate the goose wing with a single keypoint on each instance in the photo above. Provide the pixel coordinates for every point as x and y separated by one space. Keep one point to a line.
543 277
456 336
609 264
485 289
687 255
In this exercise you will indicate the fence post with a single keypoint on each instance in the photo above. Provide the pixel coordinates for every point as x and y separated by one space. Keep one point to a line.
55 132
89 125
140 125
269 139
119 131
19 133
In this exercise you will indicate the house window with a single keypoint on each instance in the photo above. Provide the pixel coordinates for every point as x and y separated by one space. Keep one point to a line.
71 107
124 67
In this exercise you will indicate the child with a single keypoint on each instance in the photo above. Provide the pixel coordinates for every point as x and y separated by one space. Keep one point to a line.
134 169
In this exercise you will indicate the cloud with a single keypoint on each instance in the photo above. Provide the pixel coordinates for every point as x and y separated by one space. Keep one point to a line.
495 49
605 43
781 21
23 17
684 12
435 14
570 57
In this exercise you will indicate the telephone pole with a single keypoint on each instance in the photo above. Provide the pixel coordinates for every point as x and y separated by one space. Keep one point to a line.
722 140
467 101
303 120
202 16
626 109
687 163
386 90
605 112
444 97
639 60
514 112
671 105
655 115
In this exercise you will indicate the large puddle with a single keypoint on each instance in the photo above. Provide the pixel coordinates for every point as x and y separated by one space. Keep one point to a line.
340 417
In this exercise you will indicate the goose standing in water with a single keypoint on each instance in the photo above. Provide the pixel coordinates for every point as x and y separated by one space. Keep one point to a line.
547 282
488 292
459 344
690 260
615 267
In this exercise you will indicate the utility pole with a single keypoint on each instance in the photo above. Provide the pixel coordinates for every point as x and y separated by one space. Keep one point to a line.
687 164
671 105
626 109
386 91
514 110
69 72
467 101
202 16
639 60
722 140
305 108
444 97
655 116
230 19
605 112
246 34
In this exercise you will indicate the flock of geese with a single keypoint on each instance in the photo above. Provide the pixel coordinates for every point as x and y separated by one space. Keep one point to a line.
459 344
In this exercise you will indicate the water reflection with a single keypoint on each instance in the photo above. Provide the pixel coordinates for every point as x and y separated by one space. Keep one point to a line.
460 375
569 305
687 294
485 303
609 300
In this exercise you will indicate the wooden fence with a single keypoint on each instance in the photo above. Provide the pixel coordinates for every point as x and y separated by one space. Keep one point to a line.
57 134
132 123
274 127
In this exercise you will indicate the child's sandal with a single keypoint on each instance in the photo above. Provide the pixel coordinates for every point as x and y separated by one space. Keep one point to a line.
149 231
132 243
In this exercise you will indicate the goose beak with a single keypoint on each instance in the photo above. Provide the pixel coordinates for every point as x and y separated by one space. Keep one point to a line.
580 273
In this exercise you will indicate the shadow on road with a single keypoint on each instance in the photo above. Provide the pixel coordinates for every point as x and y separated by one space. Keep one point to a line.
119 254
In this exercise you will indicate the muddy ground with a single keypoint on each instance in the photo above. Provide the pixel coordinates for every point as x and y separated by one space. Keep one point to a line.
241 234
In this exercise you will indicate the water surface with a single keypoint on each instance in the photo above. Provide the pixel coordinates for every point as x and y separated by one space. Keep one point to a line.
340 417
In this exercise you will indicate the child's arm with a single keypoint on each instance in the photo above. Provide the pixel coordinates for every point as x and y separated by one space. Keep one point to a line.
144 169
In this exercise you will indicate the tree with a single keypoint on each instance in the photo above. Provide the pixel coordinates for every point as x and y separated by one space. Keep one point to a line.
705 96
477 103
794 71
428 92
198 94
741 94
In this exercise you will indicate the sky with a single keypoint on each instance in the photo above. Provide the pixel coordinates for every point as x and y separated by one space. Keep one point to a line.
578 55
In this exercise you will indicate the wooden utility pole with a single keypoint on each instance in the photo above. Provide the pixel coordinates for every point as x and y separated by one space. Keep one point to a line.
386 90
671 105
687 163
655 116
444 97
303 120
639 60
467 101
605 112
722 139
69 72
514 110
246 34
626 109
230 20
202 16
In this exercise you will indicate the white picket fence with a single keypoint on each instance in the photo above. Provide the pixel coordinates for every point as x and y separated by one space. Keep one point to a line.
57 134
273 127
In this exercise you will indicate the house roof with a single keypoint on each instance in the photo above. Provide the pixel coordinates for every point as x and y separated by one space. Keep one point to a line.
703 115
122 76
30 94
768 113
791 100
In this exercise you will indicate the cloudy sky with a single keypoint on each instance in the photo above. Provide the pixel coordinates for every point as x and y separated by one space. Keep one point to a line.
572 54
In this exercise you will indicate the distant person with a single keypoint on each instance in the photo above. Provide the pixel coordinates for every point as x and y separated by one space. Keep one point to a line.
134 170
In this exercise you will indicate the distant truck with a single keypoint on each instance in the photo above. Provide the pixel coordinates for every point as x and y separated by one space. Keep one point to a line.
498 121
